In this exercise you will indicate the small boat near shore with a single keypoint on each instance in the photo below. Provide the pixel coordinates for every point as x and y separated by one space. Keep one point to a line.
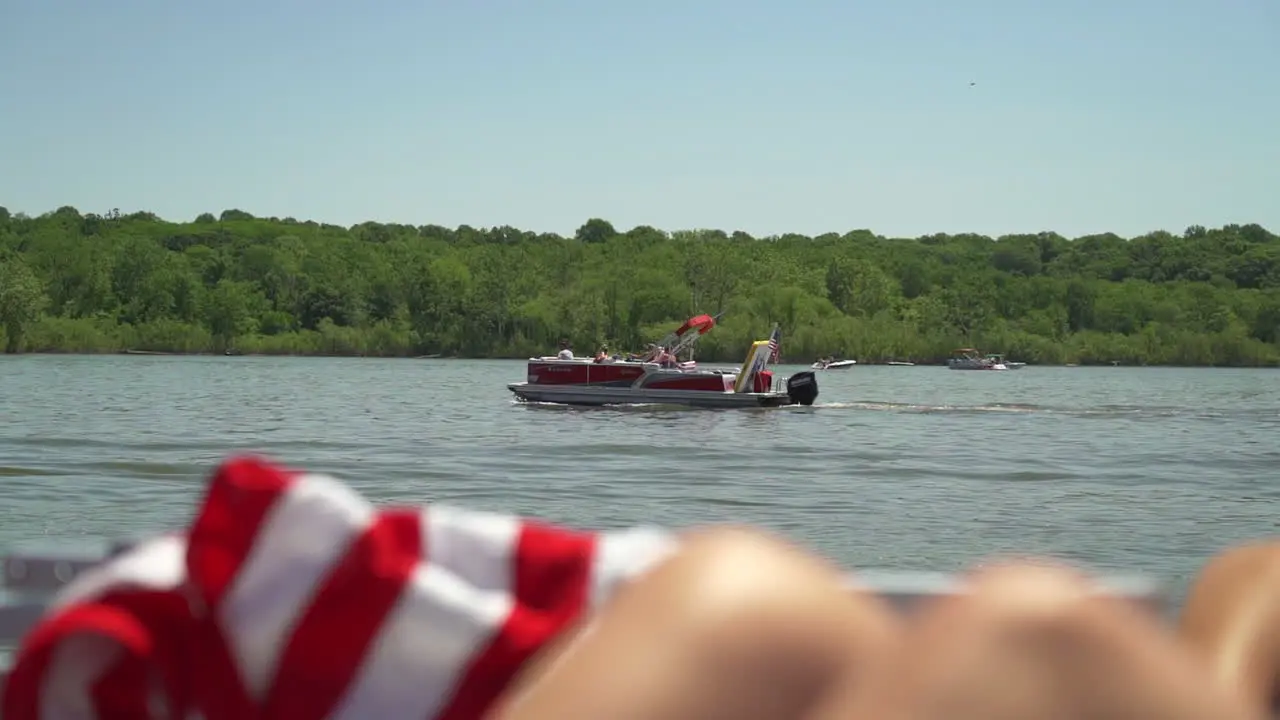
833 364
661 378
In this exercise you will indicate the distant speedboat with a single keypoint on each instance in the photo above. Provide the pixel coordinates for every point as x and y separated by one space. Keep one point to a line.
901 363
970 359
998 359
833 365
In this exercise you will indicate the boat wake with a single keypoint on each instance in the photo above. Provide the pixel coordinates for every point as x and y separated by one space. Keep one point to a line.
874 406
1097 411
916 408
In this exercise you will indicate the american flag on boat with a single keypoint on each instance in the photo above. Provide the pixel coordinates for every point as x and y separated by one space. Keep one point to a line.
774 340
291 596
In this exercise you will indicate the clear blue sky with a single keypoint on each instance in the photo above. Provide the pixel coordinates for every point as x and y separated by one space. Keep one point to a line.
806 116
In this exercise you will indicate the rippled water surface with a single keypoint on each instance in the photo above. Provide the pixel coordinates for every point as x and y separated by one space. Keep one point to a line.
897 467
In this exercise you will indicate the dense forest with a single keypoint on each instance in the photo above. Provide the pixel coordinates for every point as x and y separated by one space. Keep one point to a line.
75 282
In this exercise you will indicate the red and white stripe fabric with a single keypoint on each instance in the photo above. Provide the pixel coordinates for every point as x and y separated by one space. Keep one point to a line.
291 597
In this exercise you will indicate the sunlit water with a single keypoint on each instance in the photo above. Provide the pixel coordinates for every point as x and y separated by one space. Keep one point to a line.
896 467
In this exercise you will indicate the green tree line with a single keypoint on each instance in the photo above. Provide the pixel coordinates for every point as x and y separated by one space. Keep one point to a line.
77 282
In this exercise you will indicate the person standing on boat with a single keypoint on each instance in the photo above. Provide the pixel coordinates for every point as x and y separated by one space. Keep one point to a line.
566 353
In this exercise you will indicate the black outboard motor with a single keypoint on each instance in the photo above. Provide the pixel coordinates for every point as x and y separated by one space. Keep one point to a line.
802 388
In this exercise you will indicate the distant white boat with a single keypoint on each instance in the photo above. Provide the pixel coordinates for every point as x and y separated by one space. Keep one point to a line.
901 363
833 365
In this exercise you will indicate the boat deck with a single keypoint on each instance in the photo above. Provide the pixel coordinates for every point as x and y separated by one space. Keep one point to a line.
29 581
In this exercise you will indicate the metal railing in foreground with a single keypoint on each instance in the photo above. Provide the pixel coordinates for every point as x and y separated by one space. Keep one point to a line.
29 581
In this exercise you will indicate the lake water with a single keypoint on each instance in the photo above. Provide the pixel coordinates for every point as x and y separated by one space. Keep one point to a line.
1146 470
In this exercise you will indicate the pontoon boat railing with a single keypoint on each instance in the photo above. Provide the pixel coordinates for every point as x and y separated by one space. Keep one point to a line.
30 580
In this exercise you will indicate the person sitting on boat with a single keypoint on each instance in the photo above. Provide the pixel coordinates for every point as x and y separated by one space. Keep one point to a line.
602 355
290 595
566 353
665 358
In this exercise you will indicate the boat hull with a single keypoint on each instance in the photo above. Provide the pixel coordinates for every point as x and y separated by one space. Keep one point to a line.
597 395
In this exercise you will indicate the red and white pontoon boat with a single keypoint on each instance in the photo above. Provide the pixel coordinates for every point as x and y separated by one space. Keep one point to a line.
661 378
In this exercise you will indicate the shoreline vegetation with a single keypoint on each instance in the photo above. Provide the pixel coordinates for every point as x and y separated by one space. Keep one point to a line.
235 284
785 361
